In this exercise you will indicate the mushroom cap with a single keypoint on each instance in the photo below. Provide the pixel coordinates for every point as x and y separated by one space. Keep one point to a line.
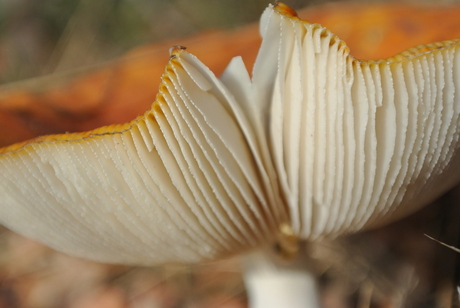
355 144
317 140
177 184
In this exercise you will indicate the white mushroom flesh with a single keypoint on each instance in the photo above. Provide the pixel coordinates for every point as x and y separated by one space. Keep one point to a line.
317 139
356 143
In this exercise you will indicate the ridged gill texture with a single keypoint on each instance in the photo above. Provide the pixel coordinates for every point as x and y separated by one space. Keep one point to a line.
178 184
356 144
316 140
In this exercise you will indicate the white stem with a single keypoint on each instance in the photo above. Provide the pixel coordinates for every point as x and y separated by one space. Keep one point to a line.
272 283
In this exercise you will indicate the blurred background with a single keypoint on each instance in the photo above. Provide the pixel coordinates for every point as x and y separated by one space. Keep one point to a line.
49 36
71 65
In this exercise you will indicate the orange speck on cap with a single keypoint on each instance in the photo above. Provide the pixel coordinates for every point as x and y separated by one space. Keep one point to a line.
285 9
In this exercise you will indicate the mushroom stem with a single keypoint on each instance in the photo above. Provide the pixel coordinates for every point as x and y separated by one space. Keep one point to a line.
273 282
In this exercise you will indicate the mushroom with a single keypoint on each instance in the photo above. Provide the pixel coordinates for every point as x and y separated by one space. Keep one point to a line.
318 144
